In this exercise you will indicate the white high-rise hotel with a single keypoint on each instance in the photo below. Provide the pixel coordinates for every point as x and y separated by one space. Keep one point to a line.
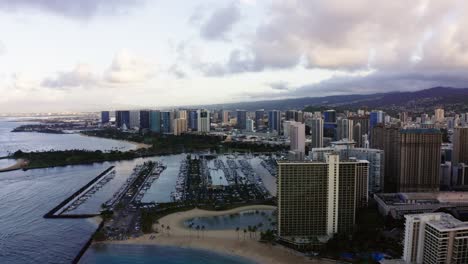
435 238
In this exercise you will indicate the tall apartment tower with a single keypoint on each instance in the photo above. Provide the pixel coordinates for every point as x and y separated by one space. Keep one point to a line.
180 126
155 121
241 119
357 135
274 121
376 117
435 238
387 138
460 145
122 119
316 132
167 124
193 120
203 120
319 199
144 119
439 115
345 129
224 116
134 119
297 136
363 121
259 119
105 117
419 160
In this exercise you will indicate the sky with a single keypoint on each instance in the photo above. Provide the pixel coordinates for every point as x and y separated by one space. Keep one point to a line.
91 55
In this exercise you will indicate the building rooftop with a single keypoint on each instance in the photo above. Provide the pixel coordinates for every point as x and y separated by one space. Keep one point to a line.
423 198
420 131
448 223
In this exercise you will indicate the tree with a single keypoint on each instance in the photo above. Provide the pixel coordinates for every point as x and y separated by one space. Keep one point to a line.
237 230
245 232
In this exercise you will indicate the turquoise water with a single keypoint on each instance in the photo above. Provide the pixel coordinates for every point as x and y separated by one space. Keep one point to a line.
120 254
232 221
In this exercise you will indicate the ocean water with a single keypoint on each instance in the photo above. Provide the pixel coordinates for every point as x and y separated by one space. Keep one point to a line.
123 254
25 196
26 141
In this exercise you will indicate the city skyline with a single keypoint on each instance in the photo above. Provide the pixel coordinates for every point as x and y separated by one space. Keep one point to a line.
91 55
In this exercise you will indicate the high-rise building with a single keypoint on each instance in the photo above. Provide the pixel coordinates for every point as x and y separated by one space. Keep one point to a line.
250 125
319 199
259 114
182 114
274 121
403 117
375 118
329 116
193 120
225 116
105 117
297 136
292 115
241 119
316 132
122 119
439 115
460 145
435 238
286 126
167 122
425 118
387 138
180 126
134 119
155 121
357 135
203 121
345 129
364 122
419 160
347 151
144 119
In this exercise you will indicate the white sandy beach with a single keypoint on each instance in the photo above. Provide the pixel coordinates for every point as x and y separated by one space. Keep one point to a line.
221 241
20 163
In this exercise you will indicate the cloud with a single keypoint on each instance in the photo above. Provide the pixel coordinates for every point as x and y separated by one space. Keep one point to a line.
177 71
75 8
81 76
220 22
128 68
357 35
2 48
279 86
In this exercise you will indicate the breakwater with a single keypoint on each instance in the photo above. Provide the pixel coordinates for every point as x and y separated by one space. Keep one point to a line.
52 213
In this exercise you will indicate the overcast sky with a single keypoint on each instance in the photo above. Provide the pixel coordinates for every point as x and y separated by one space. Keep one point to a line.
107 54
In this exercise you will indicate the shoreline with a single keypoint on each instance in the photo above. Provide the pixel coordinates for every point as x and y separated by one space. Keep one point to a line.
20 163
138 145
228 242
